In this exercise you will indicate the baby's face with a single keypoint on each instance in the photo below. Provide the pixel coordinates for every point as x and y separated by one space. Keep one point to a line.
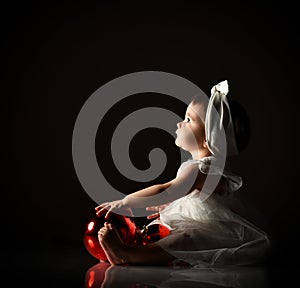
191 131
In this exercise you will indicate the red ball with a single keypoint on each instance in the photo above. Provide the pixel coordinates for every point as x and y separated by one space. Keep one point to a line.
128 231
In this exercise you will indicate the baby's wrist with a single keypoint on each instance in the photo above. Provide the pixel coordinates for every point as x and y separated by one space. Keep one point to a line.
125 201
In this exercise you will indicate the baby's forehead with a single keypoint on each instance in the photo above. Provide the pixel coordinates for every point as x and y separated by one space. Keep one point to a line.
196 110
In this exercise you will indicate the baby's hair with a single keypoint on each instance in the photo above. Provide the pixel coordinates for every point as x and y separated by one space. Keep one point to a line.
240 119
198 100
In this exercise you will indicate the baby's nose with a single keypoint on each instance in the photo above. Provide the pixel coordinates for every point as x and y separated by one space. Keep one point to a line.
179 124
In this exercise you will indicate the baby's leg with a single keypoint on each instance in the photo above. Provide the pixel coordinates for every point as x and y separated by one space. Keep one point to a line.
118 252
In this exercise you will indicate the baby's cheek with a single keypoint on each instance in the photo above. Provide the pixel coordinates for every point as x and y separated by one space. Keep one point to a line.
191 138
188 140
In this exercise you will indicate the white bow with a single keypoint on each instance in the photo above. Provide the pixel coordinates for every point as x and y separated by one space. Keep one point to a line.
219 121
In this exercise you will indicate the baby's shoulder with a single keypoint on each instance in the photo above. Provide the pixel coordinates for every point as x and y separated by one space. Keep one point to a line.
203 165
200 169
189 165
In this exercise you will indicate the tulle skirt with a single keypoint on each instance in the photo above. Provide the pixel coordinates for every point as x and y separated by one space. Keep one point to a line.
197 233
208 233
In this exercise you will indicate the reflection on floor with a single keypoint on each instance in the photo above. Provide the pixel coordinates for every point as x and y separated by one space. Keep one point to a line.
105 275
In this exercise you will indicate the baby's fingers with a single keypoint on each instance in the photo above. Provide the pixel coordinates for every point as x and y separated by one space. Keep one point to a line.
155 215
109 212
101 206
101 212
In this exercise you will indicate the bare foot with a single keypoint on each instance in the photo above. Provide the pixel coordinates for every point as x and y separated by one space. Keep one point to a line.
112 244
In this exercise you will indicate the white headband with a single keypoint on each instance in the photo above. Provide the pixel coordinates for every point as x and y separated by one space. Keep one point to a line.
218 118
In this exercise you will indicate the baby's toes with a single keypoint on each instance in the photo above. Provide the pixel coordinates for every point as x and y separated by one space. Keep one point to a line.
102 232
110 226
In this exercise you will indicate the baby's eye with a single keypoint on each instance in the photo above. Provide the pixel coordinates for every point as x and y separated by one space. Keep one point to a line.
187 119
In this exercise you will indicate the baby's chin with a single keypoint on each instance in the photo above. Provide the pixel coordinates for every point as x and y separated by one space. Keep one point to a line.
180 146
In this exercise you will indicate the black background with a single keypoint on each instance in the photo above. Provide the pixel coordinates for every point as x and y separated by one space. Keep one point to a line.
57 54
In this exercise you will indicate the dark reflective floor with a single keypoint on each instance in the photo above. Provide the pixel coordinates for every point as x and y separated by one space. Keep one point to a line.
75 268
105 275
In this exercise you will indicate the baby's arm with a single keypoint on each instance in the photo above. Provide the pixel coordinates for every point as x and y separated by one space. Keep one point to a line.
189 179
134 200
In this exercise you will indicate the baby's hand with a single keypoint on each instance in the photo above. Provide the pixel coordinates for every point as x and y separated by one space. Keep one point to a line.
156 208
109 207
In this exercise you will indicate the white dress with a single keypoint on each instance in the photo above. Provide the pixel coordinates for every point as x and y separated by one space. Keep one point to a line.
207 233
